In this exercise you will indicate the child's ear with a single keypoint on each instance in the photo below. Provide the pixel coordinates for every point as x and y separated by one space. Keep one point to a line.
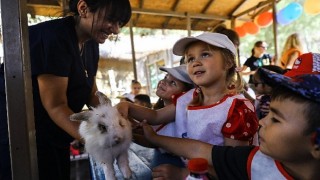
316 144
316 151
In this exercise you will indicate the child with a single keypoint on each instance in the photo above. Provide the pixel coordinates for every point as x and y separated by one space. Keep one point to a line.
263 91
135 89
217 114
174 84
143 100
289 136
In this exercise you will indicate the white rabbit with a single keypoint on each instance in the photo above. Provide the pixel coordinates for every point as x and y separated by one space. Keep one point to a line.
107 136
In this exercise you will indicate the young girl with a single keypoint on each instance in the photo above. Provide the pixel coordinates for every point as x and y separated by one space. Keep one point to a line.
135 89
214 112
174 83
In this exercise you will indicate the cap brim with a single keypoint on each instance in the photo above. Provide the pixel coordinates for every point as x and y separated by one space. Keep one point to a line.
180 46
306 85
292 73
175 74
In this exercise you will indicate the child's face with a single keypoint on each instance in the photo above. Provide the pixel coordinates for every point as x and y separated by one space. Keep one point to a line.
169 86
262 88
135 88
204 66
282 133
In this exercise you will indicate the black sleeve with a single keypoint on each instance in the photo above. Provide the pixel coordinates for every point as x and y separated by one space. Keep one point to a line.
231 162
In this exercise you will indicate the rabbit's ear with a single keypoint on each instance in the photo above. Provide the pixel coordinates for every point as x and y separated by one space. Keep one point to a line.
103 99
81 116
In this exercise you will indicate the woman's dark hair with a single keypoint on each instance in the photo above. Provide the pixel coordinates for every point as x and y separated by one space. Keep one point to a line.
116 10
256 44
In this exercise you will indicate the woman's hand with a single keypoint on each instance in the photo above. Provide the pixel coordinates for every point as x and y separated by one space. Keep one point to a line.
123 109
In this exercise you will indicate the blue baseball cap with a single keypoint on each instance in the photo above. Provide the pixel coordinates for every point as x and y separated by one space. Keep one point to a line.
306 85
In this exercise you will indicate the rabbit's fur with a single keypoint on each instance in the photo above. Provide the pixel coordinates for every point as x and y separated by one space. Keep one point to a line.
107 136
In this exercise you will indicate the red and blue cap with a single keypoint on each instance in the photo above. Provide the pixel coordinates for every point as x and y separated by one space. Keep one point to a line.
304 78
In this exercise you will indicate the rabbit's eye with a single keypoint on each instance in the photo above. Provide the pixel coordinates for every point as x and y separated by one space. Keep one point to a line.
102 128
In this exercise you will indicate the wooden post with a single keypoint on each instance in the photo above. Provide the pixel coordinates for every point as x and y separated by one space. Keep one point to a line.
19 90
188 23
275 31
133 51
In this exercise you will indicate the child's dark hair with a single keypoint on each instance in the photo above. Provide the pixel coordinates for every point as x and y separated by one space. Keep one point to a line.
135 82
311 108
274 68
116 10
144 98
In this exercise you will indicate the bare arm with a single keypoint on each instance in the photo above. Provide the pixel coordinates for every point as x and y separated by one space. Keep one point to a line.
53 94
153 117
93 99
243 71
179 146
233 142
141 140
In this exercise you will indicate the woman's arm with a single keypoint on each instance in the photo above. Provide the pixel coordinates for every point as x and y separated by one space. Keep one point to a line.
93 99
153 117
53 94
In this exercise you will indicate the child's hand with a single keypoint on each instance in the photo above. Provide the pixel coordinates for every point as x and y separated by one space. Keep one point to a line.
265 108
149 133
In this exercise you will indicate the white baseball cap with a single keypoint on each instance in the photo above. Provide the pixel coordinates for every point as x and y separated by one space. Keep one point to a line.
215 39
179 72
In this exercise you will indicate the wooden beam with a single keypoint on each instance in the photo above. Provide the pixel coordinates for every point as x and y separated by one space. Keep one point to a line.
173 8
45 10
259 5
204 10
178 14
141 2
